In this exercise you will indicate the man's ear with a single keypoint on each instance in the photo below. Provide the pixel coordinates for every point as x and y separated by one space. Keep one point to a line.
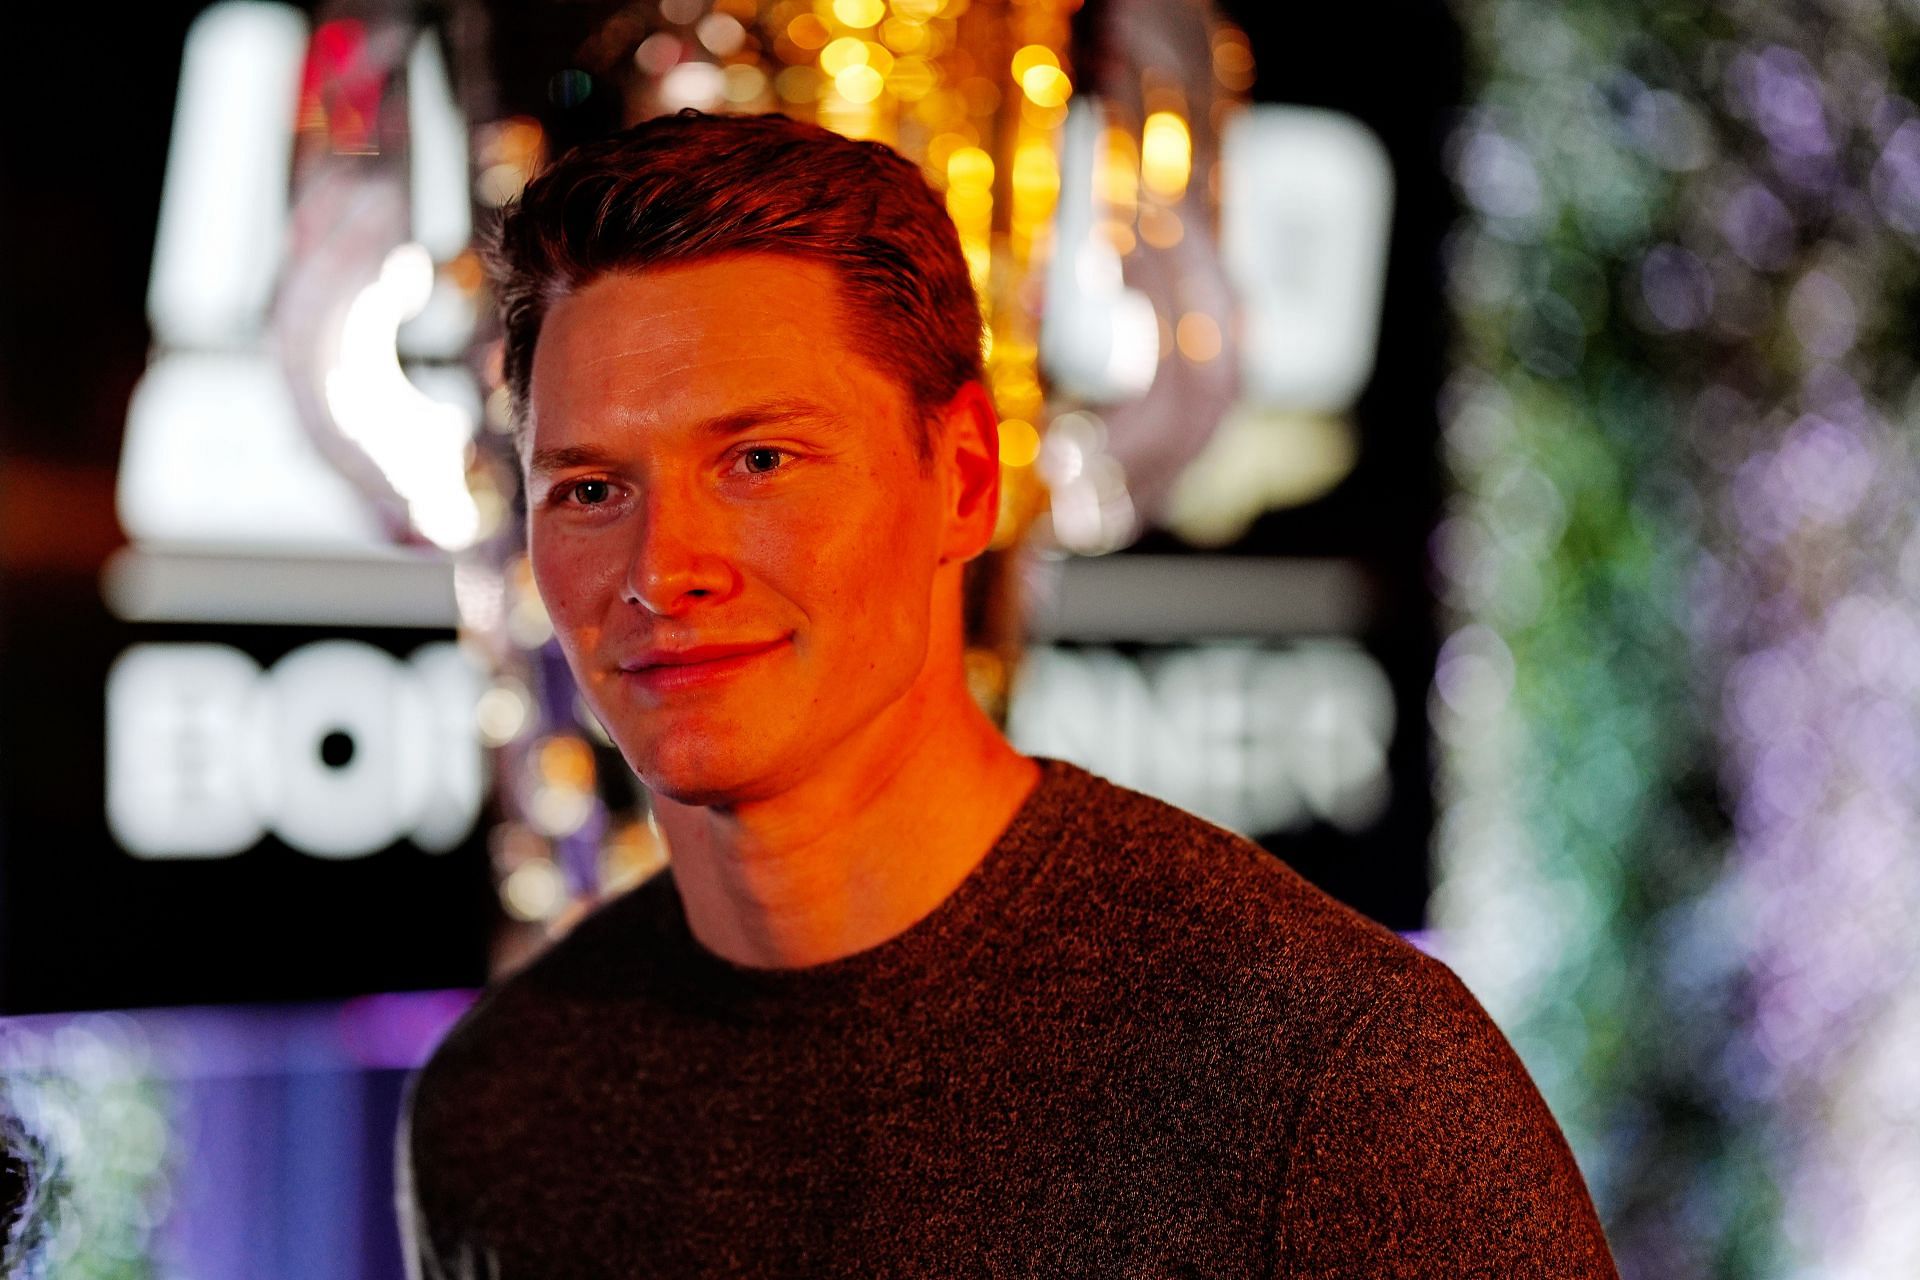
967 439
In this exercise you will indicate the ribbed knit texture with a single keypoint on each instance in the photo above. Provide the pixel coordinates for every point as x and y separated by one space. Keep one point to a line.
1130 1044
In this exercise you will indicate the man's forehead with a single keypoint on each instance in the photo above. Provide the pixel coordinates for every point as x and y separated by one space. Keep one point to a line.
753 316
729 291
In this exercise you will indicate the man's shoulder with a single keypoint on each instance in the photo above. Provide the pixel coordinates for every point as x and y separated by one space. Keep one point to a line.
1202 901
1162 857
595 967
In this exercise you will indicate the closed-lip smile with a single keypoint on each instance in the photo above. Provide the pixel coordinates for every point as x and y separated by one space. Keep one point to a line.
664 667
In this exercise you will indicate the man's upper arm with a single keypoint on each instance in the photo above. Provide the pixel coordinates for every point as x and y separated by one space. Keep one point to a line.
413 1242
1425 1150
425 1258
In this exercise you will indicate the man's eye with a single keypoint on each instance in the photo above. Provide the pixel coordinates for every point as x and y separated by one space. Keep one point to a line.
588 493
760 461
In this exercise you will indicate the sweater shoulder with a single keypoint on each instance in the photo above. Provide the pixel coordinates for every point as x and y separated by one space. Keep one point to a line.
1180 915
1236 900
595 963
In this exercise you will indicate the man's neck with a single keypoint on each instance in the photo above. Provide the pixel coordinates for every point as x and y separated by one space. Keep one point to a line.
858 852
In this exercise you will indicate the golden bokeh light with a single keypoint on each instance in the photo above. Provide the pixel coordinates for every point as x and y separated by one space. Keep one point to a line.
970 167
970 206
1116 171
1118 235
721 33
1161 227
1036 178
1233 60
1030 57
840 54
564 761
1166 154
979 258
911 79
1019 443
859 14
1198 337
855 119
940 150
1046 86
903 36
632 852
860 83
879 57
809 32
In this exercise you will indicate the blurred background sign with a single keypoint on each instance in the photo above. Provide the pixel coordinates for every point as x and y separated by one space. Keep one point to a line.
256 774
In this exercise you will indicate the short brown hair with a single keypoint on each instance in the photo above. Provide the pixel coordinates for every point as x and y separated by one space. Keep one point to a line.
687 187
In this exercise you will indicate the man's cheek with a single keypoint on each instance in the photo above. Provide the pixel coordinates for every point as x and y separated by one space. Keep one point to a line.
569 580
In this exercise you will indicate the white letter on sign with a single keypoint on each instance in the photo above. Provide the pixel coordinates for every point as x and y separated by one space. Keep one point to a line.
176 774
340 750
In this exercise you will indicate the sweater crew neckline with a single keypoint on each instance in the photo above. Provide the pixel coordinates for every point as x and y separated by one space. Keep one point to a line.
975 914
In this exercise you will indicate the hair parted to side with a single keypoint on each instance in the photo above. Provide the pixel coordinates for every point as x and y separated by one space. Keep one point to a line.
682 188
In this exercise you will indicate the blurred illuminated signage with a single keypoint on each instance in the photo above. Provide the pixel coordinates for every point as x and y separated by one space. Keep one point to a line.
338 749
1304 223
1261 740
286 797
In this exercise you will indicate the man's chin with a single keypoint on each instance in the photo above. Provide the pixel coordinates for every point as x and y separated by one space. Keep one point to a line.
699 778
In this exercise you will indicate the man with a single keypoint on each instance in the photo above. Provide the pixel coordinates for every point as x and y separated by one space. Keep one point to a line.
907 1003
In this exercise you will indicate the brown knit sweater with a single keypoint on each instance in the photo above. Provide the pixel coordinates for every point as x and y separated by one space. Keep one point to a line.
1129 1045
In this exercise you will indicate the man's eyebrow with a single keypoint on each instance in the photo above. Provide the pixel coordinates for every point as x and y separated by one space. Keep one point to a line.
779 409
573 455
751 417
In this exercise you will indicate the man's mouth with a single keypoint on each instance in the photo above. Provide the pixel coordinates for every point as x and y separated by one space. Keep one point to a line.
662 669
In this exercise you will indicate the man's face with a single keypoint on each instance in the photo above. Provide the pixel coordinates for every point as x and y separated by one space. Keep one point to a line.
728 522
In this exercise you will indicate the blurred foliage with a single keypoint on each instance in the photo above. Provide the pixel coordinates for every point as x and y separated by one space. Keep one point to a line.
1685 300
90 1133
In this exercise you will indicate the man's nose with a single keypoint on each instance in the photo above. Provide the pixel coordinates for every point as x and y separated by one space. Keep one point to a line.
678 558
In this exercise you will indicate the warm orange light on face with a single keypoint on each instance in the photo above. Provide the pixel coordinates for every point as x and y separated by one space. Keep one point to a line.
654 532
